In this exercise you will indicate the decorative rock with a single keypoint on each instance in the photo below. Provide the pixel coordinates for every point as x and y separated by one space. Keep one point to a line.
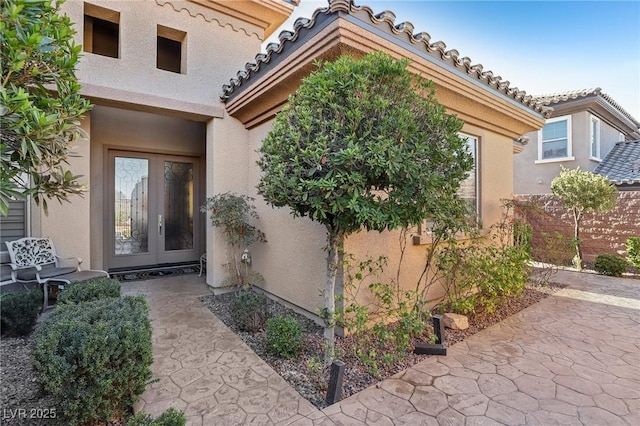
455 321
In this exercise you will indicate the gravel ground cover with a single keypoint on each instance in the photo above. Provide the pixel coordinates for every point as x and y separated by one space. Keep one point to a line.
304 373
23 403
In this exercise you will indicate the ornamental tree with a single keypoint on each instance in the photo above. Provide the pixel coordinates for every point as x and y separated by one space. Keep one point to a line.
362 144
41 105
232 213
583 192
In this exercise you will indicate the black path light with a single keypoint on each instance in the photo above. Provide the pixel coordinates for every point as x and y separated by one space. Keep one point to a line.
438 348
334 393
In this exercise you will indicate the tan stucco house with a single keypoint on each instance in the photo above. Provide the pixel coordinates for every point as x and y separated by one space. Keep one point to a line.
582 129
175 121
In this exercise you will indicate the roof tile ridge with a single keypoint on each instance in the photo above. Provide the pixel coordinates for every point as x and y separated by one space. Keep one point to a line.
388 17
271 49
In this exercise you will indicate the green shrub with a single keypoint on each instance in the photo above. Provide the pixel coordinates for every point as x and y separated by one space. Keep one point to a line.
90 290
171 417
94 357
633 251
284 336
249 310
494 273
19 311
608 264
523 235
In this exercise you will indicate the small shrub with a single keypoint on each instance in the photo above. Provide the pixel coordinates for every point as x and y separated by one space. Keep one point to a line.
608 264
19 311
94 357
633 251
523 235
90 290
232 213
171 417
249 310
284 336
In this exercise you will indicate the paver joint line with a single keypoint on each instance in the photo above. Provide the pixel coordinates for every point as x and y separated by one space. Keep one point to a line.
525 370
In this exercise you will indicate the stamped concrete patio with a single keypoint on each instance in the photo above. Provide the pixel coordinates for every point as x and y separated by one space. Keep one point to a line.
572 359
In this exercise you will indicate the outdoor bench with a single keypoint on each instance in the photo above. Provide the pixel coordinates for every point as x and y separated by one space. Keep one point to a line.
36 260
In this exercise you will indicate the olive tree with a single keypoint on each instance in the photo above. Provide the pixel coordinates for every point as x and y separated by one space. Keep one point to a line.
362 144
583 192
41 105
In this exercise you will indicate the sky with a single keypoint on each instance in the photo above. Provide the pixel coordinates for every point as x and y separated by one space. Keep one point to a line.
541 47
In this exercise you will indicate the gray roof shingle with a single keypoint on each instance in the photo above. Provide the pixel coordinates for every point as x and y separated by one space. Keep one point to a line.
622 164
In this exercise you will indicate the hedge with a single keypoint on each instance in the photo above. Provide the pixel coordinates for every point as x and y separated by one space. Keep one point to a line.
95 357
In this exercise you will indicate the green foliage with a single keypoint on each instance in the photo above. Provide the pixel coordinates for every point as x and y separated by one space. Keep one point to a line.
363 144
232 213
90 290
583 192
485 273
19 311
284 336
249 310
523 235
171 417
608 264
633 251
38 125
382 330
94 357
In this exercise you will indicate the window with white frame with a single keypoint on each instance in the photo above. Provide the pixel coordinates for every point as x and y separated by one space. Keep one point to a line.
554 140
594 125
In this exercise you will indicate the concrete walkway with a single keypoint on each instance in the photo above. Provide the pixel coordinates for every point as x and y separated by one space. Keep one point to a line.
572 359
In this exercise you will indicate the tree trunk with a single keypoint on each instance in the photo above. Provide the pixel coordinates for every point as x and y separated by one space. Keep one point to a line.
336 239
577 216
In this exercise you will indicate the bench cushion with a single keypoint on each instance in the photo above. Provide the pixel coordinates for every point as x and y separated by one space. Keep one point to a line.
47 271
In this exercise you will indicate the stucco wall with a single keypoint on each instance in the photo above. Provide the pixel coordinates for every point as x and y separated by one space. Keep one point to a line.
600 233
217 46
532 178
293 261
68 224
227 168
495 172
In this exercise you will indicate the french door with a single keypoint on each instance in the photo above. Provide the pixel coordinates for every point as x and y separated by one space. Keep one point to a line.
153 208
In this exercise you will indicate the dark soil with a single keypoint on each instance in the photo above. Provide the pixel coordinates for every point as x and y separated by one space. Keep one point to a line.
304 373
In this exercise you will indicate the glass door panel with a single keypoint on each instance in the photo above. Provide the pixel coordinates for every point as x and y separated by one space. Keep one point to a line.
153 201
178 205
131 206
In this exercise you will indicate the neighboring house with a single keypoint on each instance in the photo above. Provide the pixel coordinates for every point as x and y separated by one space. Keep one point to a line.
583 128
622 166
161 139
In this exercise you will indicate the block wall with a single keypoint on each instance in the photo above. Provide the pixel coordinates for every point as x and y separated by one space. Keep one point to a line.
600 233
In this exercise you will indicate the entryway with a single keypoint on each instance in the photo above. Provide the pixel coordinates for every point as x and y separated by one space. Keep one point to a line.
153 208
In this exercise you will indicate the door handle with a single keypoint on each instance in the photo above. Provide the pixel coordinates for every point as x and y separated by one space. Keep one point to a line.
160 224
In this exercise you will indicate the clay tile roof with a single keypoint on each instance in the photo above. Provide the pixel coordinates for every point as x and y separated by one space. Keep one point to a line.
554 98
401 30
622 164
